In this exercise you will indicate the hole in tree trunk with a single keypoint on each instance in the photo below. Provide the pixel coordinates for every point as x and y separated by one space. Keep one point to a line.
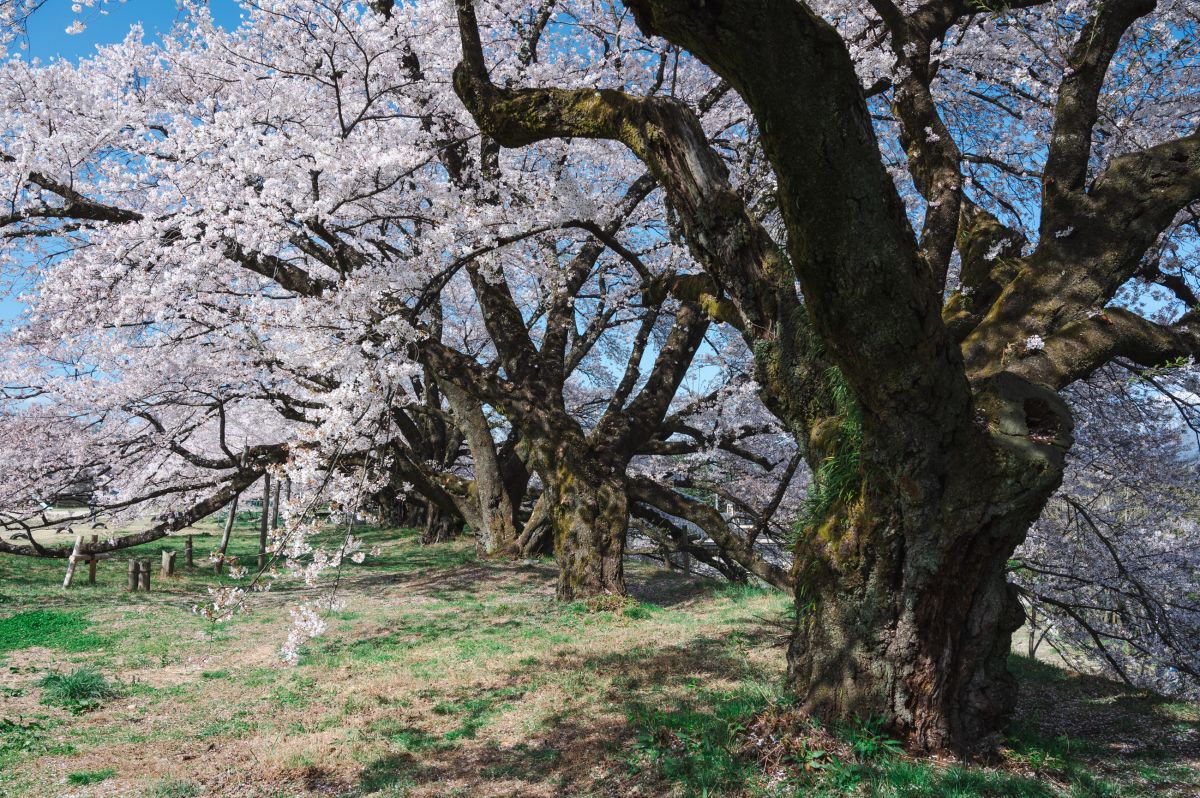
1044 424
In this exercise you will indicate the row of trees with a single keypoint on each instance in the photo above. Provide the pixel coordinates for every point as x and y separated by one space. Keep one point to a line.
894 282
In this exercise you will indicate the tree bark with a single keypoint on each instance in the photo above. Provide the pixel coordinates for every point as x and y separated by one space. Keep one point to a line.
589 513
398 510
440 525
907 615
497 533
537 535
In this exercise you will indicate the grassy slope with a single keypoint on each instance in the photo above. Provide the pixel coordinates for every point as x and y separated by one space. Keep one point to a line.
447 676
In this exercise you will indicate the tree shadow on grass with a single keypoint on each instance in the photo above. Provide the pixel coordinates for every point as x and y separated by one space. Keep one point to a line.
1058 702
468 578
1094 728
665 588
657 693
572 758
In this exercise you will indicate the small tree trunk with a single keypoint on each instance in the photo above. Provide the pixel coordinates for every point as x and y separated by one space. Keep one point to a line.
537 536
229 520
497 533
410 515
264 523
75 553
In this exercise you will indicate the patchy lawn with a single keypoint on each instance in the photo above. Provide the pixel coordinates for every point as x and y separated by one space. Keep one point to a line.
443 675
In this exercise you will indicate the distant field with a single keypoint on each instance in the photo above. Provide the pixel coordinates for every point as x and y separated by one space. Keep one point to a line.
448 676
105 528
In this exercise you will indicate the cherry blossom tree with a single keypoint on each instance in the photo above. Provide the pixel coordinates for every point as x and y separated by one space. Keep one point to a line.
1109 570
941 417
382 320
478 250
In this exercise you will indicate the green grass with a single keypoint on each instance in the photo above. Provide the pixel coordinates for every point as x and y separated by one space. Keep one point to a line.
408 738
81 690
21 738
297 692
85 777
46 628
473 712
17 739
692 745
898 777
449 675
173 789
692 742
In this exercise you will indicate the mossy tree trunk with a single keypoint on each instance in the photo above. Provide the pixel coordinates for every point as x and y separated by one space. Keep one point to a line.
904 611
589 515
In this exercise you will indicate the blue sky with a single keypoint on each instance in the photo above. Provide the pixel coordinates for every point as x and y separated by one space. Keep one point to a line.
47 30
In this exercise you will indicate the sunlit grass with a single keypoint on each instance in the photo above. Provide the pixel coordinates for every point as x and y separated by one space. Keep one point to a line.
445 675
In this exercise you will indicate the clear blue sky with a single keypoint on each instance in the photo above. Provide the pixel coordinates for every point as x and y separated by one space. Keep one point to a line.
49 40
47 29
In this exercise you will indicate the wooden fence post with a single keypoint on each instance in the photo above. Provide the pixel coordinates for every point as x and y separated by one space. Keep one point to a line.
92 560
71 562
168 564
133 575
275 509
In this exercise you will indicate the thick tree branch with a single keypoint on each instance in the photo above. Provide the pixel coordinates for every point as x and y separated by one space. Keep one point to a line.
1078 269
714 525
1075 115
1081 348
732 245
174 522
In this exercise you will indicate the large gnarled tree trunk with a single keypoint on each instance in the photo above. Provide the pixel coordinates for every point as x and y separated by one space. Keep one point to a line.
589 515
903 607
905 611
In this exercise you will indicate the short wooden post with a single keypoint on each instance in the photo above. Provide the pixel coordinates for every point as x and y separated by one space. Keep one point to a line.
92 560
187 552
133 575
229 521
168 564
71 561
144 574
